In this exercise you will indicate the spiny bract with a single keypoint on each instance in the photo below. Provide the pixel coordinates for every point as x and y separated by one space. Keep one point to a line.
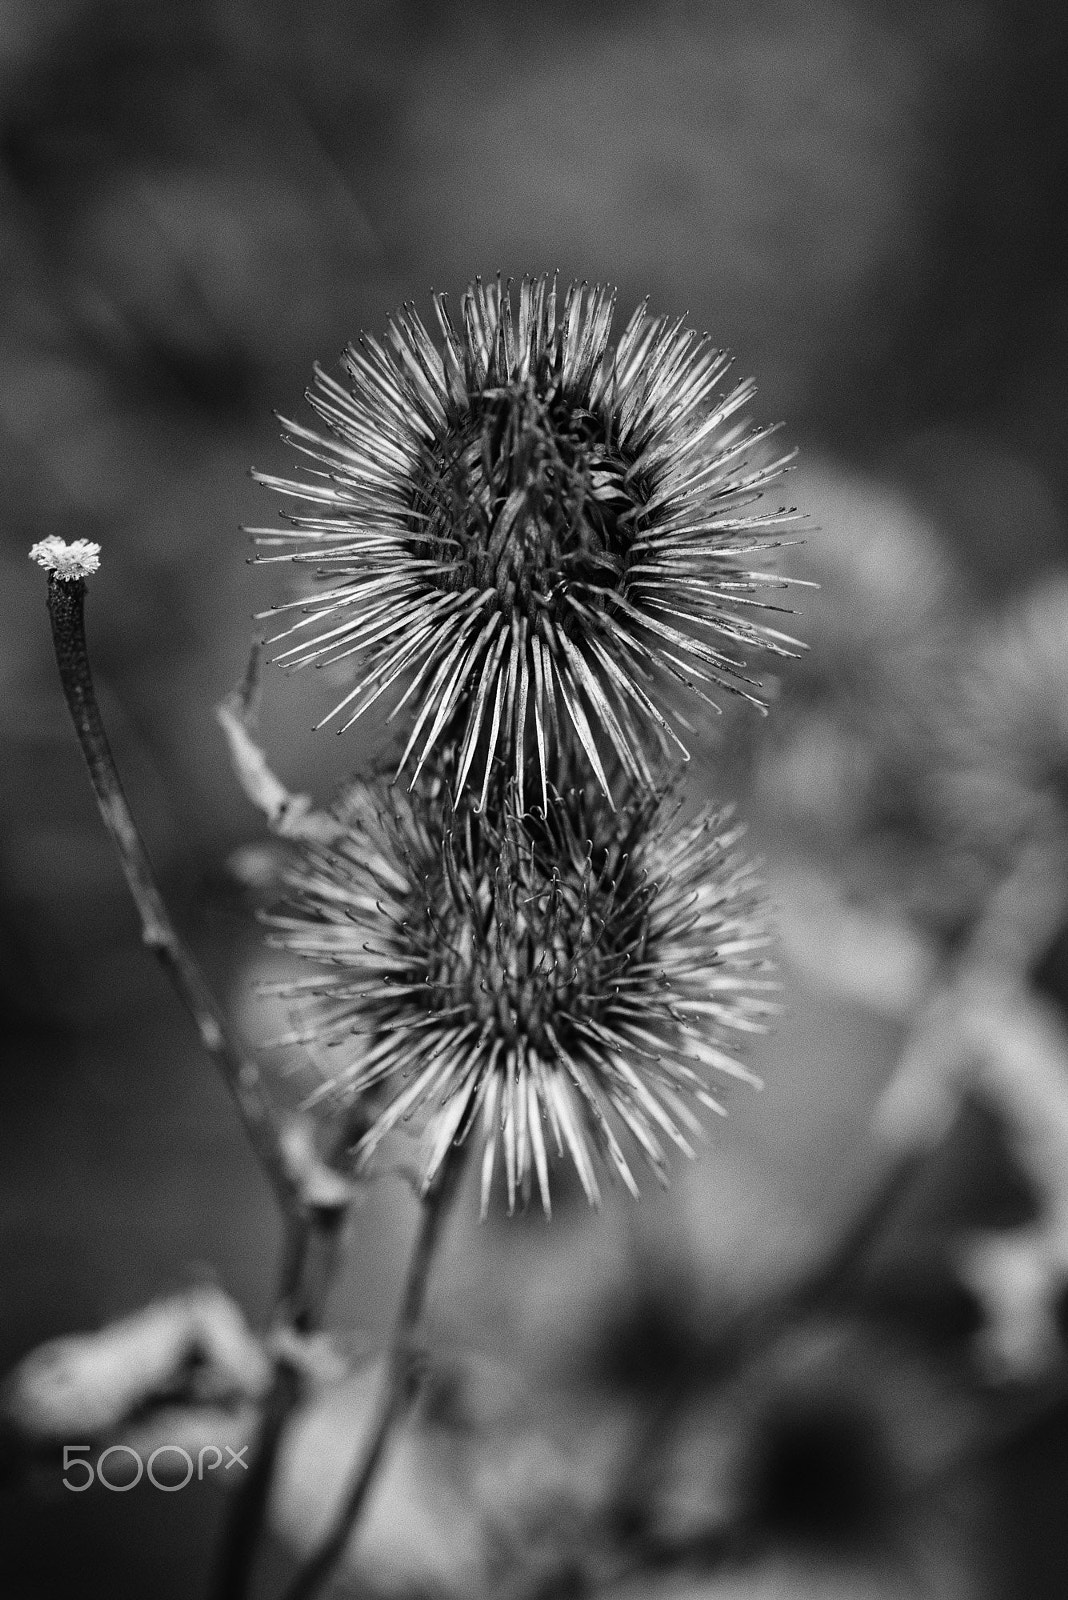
560 977
529 521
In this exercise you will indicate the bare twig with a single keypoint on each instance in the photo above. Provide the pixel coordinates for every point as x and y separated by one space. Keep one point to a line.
307 1275
313 1197
241 1072
398 1390
943 1046
290 816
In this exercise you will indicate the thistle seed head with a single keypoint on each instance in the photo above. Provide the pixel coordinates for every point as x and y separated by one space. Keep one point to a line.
565 979
1005 781
528 522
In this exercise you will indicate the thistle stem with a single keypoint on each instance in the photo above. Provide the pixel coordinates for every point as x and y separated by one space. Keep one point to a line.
307 1275
241 1073
398 1389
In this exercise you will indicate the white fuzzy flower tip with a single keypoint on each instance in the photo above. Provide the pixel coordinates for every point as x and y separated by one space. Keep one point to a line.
75 560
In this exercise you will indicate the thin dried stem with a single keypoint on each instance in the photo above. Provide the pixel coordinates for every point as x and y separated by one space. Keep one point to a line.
290 816
313 1197
307 1276
398 1390
240 1071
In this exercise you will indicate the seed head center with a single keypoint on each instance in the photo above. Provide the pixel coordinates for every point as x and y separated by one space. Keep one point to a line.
533 951
525 495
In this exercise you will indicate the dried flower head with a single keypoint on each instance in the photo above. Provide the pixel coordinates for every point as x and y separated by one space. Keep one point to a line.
560 977
529 521
1006 781
848 765
78 559
879 624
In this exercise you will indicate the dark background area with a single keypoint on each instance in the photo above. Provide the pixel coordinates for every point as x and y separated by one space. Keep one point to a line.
866 202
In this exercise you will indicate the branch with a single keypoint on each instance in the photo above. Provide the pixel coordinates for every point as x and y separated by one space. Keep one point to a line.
67 566
307 1276
313 1196
398 1392
290 816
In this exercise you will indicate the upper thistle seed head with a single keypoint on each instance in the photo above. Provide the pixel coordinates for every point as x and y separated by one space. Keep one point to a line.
529 522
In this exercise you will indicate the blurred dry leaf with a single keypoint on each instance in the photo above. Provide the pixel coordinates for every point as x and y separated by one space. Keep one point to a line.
196 1343
1017 1277
1005 1044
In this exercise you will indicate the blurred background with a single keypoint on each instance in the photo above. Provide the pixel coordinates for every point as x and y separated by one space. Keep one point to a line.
866 202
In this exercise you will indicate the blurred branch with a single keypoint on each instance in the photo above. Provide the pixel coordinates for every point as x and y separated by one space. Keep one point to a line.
307 1275
398 1392
1023 914
976 1020
951 1033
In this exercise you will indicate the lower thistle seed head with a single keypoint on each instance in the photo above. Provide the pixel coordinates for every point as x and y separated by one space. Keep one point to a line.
563 981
